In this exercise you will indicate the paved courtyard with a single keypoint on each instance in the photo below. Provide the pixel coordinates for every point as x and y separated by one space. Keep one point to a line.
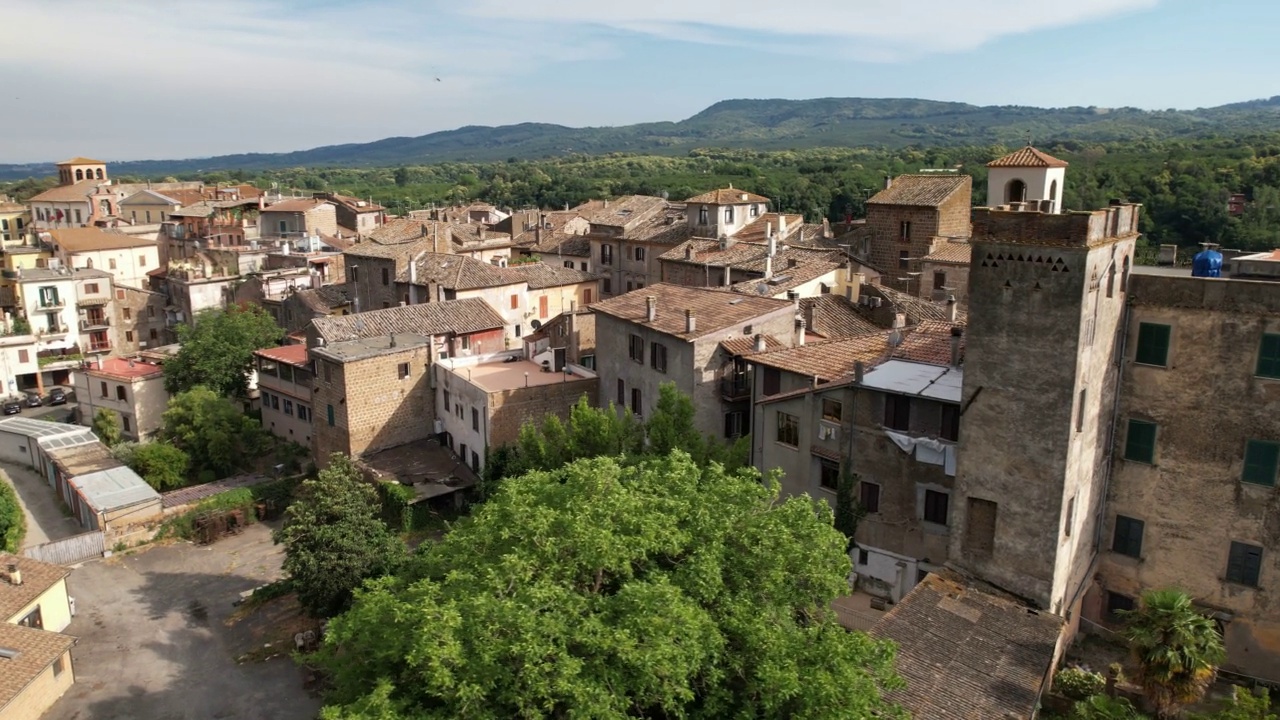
155 643
45 518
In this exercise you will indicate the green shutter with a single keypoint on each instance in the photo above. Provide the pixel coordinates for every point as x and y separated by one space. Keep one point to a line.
1269 356
1140 442
1244 564
1153 344
1128 536
330 409
1260 461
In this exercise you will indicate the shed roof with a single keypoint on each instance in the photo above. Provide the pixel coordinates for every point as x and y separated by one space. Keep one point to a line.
117 487
37 577
39 429
967 654
36 651
714 310
83 459
921 190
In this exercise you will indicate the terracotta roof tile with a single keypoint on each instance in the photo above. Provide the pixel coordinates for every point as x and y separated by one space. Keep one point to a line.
542 275
625 212
921 190
37 577
37 650
726 196
295 205
1027 157
292 354
757 231
744 346
954 253
786 278
828 359
834 316
88 239
965 653
78 192
916 309
80 161
714 309
469 315
929 342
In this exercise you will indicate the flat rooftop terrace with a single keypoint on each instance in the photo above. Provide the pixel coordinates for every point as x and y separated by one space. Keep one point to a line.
498 376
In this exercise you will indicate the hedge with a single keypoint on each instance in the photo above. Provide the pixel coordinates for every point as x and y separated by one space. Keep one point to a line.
246 499
13 523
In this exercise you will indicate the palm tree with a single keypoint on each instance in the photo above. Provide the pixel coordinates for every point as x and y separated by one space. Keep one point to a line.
1176 649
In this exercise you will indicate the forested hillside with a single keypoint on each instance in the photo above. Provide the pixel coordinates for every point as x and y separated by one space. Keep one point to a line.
757 125
1184 184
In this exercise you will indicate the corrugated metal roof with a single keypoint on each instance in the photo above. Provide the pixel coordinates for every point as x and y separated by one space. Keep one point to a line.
38 429
937 382
113 488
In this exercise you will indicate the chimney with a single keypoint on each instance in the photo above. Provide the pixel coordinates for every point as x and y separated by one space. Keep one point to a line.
760 346
773 244
848 293
481 232
956 333
791 262
951 308
15 575
652 303
800 327
888 182
782 226
392 342
794 297
688 251
690 322
899 321
768 266
859 372
728 279
826 228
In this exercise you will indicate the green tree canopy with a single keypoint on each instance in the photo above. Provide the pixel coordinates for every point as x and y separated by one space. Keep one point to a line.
13 522
1176 649
162 465
212 431
334 538
605 589
217 350
106 426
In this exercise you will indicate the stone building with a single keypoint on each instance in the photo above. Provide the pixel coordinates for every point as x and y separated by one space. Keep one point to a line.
1192 500
132 389
671 333
15 222
568 338
298 216
359 216
626 236
944 272
555 237
1040 380
745 266
909 219
284 392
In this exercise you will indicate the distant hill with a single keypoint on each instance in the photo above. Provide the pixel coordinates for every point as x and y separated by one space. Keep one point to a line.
761 124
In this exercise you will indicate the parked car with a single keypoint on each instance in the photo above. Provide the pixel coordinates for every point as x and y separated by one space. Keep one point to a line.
33 400
12 406
57 396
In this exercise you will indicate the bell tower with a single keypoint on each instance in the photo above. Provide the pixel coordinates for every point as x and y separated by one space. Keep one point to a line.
1027 176
79 169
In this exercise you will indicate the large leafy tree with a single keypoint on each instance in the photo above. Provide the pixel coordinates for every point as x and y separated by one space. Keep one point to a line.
1176 650
217 349
106 426
162 465
212 431
604 589
334 538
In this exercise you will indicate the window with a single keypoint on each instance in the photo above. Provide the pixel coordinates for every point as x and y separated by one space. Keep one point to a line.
1153 344
755 211
329 412
904 230
832 410
863 557
119 293
91 288
78 220
1071 516
402 370
111 263
447 403
288 407
304 413
154 334
59 666
950 425
980 526
354 273
788 429
1260 461
772 381
128 313
386 276
1118 604
586 297
658 356
151 311
897 412
636 350
475 461
1140 442
606 286
734 425
1269 356
1244 564
935 506
275 402
128 336
1015 191
702 215
622 393
33 619
606 254
1080 405
1053 190
636 407
457 410
515 302
568 264
728 215
104 389
939 280
828 473
475 419
1128 537
869 496
588 362
630 286
639 254
284 226
23 357
904 259
125 424
120 393
142 261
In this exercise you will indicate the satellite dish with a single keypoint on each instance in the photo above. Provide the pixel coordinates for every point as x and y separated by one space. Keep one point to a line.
535 324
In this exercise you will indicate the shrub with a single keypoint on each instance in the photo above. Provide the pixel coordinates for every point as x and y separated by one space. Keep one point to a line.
13 524
1078 683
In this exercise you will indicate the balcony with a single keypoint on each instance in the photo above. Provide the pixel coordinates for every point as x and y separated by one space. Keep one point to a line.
95 322
736 386
52 303
100 346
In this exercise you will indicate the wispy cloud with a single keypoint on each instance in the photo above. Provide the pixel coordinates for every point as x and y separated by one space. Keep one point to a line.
134 78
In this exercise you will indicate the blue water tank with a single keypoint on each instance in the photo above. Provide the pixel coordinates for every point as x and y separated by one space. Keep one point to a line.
1207 263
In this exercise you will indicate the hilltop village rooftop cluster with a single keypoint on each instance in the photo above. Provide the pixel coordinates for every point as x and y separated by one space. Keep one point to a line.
1022 405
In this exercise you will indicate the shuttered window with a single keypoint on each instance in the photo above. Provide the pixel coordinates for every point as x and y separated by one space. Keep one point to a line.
1153 344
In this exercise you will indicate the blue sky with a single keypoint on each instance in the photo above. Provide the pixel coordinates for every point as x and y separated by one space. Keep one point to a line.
136 79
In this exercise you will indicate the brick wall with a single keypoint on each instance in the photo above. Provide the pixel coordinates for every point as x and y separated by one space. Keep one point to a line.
929 225
956 278
510 409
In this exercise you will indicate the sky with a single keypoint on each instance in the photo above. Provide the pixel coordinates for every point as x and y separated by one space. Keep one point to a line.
169 79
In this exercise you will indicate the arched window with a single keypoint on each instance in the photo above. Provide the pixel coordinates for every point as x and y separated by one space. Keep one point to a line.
1124 275
79 174
98 173
1053 190
1015 191
89 263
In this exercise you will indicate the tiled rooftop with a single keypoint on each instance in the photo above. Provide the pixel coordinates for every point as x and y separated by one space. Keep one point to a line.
714 309
828 359
624 212
965 653
291 354
469 315
726 196
118 367
1027 157
36 651
929 342
834 316
373 346
87 239
921 190
37 577
956 253
295 205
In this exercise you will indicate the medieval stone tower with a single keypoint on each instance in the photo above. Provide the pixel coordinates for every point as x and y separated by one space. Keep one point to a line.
1047 298
1027 176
